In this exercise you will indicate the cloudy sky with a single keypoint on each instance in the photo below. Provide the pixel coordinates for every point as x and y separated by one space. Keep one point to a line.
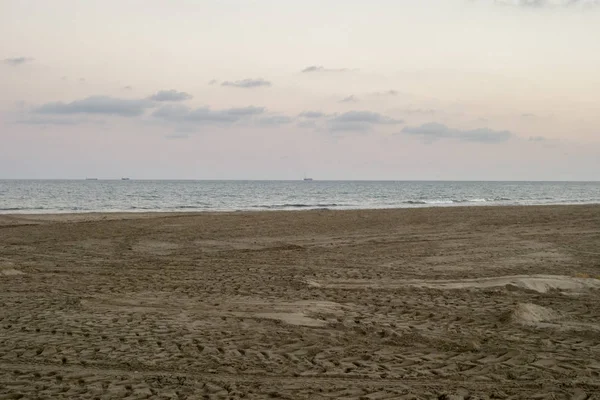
272 89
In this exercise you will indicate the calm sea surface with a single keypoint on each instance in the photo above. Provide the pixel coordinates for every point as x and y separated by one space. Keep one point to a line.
54 196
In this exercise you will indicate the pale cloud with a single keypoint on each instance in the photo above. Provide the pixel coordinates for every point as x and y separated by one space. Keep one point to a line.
387 93
312 114
320 68
350 126
37 120
537 139
205 115
103 105
177 136
307 124
548 3
16 61
349 99
434 131
366 116
360 121
170 95
418 111
274 120
247 83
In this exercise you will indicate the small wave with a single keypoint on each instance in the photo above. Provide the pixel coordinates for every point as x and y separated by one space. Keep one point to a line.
157 208
427 202
297 205
471 200
454 201
22 208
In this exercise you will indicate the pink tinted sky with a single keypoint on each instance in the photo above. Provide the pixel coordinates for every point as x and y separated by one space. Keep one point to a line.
277 89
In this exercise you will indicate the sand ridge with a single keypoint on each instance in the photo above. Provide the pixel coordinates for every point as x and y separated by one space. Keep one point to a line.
461 303
537 283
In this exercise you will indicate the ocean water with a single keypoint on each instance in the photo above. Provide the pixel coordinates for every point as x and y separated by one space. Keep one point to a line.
57 196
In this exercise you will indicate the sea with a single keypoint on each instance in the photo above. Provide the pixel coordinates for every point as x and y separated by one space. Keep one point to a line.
69 196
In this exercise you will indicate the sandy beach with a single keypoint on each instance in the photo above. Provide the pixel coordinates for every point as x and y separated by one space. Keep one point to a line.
437 303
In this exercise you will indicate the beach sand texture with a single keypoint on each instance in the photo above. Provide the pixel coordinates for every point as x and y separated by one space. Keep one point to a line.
439 303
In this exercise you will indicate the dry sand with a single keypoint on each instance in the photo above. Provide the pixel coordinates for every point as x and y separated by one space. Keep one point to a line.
453 303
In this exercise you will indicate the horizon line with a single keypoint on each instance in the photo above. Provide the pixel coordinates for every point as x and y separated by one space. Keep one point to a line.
296 180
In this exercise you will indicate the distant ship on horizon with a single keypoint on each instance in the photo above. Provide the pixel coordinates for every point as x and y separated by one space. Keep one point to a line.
308 179
91 179
124 179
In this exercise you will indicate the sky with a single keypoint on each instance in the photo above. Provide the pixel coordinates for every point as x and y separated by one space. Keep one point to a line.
272 89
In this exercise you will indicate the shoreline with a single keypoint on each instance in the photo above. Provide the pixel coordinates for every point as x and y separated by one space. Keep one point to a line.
162 213
158 212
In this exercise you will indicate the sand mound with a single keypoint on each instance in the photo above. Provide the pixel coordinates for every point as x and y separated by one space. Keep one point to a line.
538 283
11 272
542 317
530 314
297 318
301 312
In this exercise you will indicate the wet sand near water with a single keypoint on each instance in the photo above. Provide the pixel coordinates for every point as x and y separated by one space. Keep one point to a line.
438 303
